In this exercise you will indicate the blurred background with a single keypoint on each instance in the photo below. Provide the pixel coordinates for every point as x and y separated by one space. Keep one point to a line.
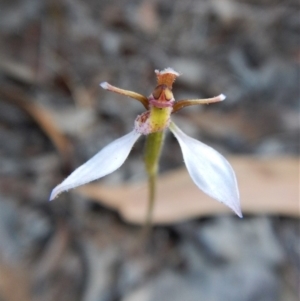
54 116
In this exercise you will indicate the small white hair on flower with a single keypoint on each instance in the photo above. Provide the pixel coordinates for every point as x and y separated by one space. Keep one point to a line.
167 70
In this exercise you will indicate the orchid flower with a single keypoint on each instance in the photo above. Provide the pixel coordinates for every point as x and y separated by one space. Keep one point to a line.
209 170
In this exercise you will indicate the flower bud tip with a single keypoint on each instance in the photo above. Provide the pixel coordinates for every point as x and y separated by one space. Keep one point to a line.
104 85
222 97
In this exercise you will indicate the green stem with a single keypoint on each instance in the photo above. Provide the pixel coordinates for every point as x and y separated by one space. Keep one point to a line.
151 199
153 148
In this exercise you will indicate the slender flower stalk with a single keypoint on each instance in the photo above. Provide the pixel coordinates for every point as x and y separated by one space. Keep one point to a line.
209 170
153 148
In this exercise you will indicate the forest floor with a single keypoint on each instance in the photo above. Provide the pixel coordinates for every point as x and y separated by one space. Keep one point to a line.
54 116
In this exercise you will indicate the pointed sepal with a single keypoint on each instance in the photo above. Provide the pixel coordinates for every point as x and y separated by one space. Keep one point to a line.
141 98
178 105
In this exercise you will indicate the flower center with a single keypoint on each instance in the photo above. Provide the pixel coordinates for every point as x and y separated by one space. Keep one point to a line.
161 97
161 103
154 120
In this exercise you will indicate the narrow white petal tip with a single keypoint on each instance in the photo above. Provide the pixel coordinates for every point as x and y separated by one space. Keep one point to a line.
238 211
55 192
104 85
222 97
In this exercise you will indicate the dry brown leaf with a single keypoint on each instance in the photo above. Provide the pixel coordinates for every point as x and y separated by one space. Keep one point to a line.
53 254
14 282
17 71
42 117
237 124
267 186
147 17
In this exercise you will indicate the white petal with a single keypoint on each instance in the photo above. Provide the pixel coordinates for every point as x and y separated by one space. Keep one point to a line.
210 171
110 158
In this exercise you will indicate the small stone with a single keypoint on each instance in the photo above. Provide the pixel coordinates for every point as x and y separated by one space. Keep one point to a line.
167 286
235 240
191 71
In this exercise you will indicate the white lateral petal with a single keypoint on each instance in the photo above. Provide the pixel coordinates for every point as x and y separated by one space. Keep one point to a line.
110 158
210 171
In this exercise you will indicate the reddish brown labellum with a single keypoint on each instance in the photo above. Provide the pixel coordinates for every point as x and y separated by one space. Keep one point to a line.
162 93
